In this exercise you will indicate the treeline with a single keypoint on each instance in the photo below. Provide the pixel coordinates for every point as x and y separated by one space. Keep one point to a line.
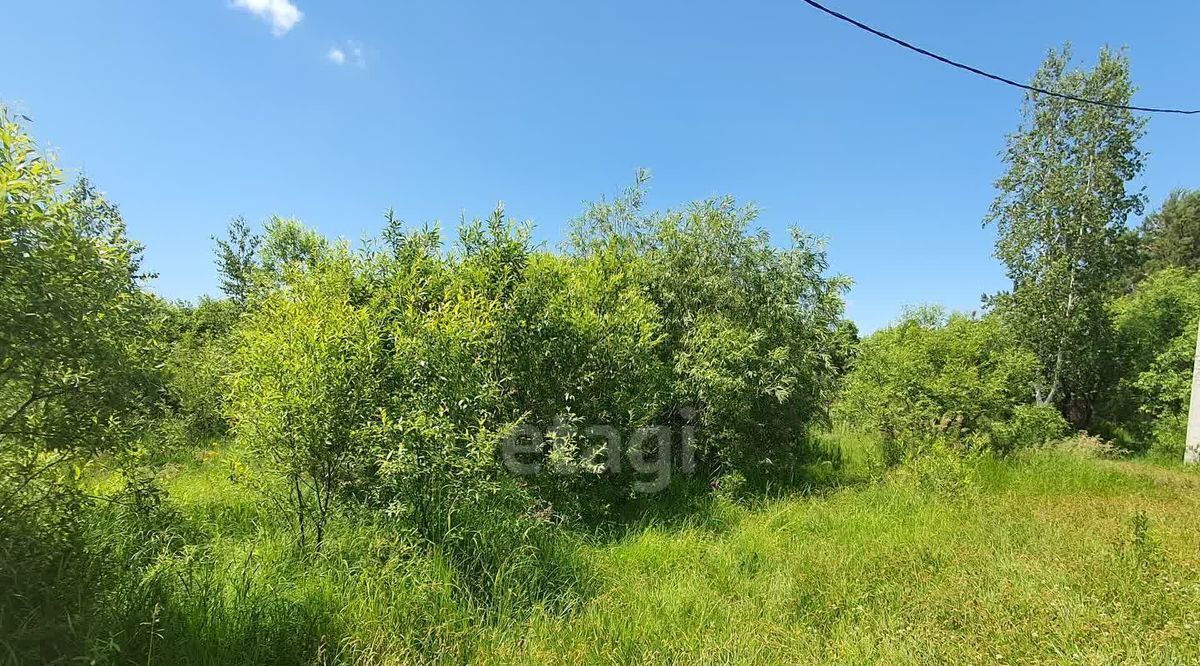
1099 329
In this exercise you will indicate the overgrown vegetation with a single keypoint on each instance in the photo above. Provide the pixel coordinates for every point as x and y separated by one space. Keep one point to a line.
1100 325
933 379
623 449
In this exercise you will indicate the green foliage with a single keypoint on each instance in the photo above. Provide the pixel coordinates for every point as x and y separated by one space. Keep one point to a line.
40 556
583 347
237 260
396 375
80 350
1170 236
1028 427
1060 215
306 383
749 330
934 378
1156 333
436 440
941 470
286 245
79 339
199 363
844 346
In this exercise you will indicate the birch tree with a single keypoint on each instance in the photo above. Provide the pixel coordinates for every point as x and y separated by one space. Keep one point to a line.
1060 214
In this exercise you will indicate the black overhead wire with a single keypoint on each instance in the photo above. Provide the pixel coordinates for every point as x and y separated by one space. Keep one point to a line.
980 72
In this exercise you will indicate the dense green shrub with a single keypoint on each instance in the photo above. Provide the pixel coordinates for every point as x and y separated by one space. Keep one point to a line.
398 374
1029 426
1156 334
434 445
306 383
935 378
750 331
81 345
80 341
199 363
582 347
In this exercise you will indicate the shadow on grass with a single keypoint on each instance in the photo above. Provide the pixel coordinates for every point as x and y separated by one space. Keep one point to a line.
715 502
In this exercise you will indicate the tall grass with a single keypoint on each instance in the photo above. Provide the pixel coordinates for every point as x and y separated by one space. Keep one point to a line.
1037 557
1042 558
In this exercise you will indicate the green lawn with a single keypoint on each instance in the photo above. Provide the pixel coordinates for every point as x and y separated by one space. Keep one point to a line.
1041 558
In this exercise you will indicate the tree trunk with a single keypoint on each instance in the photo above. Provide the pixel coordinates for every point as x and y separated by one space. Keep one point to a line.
1191 453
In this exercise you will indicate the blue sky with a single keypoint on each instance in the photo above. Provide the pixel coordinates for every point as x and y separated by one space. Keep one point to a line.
188 113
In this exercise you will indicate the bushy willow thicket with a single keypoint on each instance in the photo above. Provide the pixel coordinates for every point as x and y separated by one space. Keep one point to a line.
394 378
397 374
80 348
935 378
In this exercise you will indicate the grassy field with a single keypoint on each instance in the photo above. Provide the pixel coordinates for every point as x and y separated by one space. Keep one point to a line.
1046 557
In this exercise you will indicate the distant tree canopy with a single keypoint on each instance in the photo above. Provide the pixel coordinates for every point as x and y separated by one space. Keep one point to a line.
236 257
1170 236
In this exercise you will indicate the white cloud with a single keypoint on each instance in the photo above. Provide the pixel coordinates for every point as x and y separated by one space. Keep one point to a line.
281 14
349 52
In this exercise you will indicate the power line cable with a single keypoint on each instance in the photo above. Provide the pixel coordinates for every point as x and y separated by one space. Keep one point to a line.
980 72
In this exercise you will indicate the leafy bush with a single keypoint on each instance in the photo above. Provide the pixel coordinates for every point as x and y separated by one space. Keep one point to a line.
199 363
80 349
80 341
936 378
1156 333
396 374
434 447
583 347
749 330
1028 427
307 383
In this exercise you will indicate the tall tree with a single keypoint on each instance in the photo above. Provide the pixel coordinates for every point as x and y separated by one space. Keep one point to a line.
1060 214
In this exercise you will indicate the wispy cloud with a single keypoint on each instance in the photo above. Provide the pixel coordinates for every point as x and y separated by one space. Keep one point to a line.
281 14
351 52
